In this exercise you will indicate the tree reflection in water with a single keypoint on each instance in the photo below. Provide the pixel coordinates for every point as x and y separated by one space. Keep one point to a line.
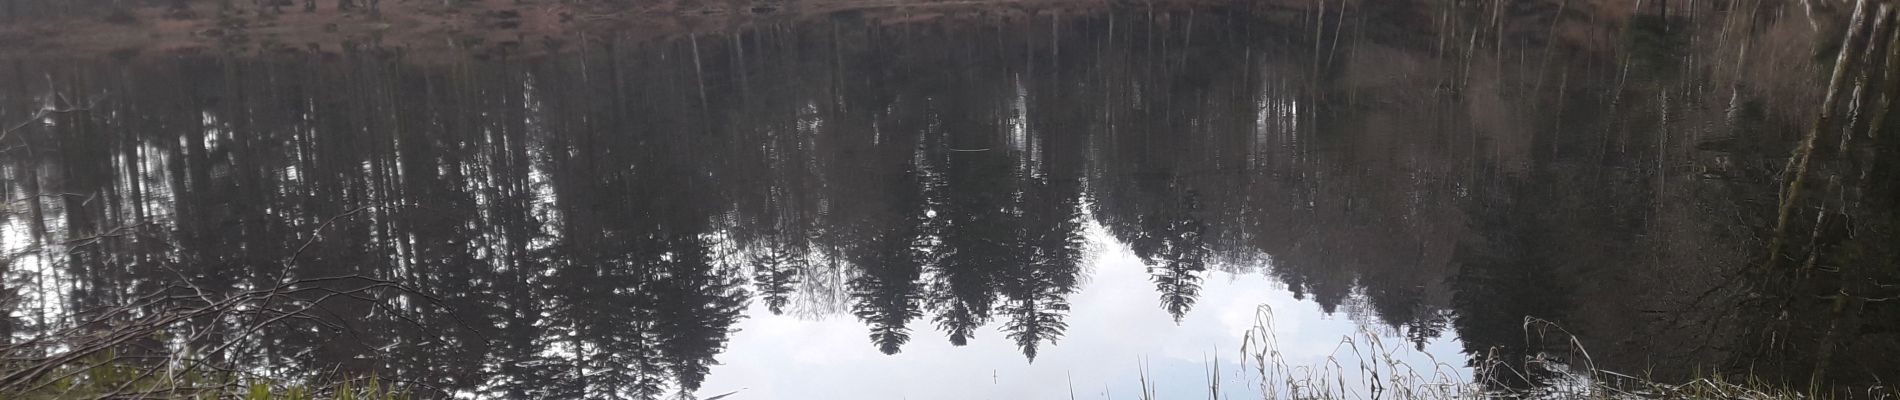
594 227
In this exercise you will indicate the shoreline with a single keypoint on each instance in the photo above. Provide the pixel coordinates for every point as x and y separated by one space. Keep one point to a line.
481 29
430 30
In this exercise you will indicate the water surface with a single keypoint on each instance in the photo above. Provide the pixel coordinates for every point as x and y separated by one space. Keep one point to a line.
1020 207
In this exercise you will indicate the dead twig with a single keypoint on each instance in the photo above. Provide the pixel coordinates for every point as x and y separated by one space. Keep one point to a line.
40 116
318 234
55 356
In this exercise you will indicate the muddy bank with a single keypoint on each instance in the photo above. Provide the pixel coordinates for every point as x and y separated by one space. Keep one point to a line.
486 28
456 29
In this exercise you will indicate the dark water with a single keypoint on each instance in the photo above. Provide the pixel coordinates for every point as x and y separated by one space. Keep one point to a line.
601 223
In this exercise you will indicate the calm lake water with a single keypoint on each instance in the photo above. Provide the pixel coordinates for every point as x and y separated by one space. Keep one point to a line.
1011 208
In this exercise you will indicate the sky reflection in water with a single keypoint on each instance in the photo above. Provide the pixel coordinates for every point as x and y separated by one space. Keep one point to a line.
600 216
1114 328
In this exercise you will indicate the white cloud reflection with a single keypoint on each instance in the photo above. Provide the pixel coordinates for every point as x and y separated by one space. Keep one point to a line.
1115 325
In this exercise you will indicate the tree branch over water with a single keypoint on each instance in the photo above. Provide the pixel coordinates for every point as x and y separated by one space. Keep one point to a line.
44 111
109 338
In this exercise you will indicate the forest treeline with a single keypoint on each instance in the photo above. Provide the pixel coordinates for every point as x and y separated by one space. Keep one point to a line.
593 225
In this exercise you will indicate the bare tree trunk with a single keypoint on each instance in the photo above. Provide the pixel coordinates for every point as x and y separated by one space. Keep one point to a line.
1798 162
699 71
745 82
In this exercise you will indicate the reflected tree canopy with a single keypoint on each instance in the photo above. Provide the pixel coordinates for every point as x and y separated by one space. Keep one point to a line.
594 224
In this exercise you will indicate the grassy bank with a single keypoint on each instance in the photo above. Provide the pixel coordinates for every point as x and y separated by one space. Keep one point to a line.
150 350
1365 366
114 378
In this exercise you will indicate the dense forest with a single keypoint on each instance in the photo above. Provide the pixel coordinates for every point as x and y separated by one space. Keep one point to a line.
593 224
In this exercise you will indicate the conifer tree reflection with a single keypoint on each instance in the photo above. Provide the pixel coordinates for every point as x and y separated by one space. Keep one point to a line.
585 232
775 274
978 230
888 291
1049 255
